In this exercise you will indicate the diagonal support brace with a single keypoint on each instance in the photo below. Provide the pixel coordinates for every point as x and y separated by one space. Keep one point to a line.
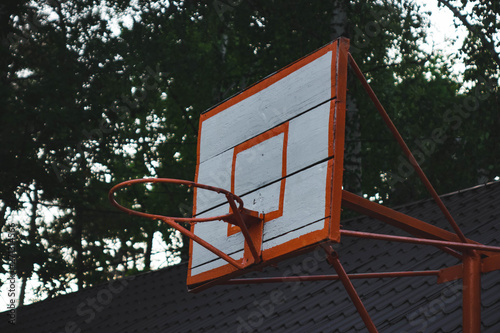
406 150
333 259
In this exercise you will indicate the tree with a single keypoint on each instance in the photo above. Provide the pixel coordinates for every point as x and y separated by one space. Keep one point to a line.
66 124
85 108
480 111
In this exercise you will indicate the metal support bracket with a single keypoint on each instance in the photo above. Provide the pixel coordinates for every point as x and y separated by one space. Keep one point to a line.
251 226
456 272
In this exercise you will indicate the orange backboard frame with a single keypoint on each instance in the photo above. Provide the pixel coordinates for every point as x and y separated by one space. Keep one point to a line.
333 182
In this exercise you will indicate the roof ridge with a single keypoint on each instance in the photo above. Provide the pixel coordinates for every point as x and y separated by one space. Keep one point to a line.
492 183
421 201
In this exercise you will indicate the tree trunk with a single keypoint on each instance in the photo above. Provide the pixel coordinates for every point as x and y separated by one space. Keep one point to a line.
3 219
78 247
32 245
149 249
339 20
23 290
352 158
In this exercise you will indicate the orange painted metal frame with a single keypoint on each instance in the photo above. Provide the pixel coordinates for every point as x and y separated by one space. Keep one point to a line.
456 272
455 244
354 276
402 221
337 137
471 293
333 259
405 148
423 241
471 302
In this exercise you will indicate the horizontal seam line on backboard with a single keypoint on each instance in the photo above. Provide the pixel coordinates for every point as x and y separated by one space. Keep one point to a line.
267 240
215 259
298 228
269 184
296 116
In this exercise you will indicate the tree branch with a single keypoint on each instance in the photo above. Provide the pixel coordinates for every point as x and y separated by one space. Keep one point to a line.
486 43
59 11
189 123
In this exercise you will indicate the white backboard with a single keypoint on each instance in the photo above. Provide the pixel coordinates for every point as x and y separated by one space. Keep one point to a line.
279 146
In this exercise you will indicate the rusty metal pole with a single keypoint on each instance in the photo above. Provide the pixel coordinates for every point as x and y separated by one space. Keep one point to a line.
406 150
333 259
471 293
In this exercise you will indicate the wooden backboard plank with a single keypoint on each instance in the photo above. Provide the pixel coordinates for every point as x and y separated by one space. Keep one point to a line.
292 94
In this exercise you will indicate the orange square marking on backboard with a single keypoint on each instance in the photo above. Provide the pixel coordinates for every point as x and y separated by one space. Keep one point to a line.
281 129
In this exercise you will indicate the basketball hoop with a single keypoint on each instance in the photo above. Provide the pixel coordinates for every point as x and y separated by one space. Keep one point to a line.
247 220
226 217
290 168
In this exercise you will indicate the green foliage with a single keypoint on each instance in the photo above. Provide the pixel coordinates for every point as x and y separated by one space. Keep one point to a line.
84 108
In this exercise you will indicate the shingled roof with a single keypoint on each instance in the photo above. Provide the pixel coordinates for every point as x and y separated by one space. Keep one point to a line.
158 301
